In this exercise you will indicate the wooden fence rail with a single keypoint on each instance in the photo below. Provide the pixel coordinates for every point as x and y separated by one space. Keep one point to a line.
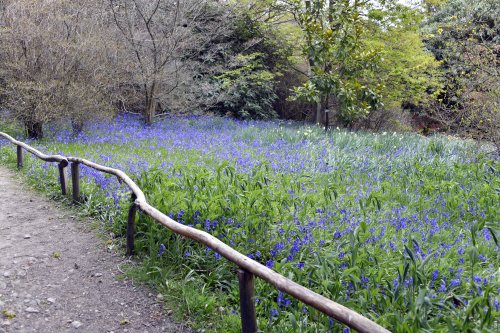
248 268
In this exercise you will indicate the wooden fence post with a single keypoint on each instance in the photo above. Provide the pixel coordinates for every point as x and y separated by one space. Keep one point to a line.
63 177
247 301
131 226
75 180
20 159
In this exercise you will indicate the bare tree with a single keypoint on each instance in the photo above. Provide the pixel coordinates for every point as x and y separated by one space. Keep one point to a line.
55 61
76 60
163 37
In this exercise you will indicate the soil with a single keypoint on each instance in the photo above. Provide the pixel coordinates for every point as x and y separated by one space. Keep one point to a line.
57 275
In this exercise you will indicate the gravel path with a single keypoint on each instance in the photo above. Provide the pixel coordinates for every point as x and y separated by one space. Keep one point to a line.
57 276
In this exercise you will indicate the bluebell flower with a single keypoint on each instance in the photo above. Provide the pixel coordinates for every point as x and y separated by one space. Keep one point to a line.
442 287
215 224
161 250
435 275
454 283
299 265
364 281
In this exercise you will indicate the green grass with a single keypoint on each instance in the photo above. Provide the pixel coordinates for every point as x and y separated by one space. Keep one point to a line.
398 227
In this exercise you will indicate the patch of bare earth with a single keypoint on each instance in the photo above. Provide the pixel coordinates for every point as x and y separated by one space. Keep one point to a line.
57 276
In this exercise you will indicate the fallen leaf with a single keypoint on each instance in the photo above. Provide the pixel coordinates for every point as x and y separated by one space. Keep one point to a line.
9 314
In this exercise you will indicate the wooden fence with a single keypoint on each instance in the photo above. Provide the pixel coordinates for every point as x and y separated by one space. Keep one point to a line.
248 268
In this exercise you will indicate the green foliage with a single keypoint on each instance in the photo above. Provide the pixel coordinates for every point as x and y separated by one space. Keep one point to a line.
400 228
338 62
364 63
380 221
249 88
239 208
405 71
256 205
245 69
464 36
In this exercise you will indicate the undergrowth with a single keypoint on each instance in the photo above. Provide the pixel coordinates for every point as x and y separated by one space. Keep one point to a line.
400 228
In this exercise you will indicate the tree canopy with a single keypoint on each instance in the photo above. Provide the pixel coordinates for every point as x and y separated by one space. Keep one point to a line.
255 59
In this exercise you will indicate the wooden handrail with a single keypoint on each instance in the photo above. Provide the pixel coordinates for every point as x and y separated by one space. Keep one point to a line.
332 309
120 175
46 158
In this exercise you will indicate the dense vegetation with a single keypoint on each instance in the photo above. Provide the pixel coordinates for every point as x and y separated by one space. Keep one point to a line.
401 228
372 64
465 37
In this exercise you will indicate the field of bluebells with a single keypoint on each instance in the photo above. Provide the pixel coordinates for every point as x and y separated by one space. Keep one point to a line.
398 227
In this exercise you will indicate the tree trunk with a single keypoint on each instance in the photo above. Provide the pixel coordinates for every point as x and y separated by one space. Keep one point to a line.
34 129
319 110
77 126
150 111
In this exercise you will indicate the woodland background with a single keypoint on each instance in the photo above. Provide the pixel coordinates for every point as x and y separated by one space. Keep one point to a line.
380 65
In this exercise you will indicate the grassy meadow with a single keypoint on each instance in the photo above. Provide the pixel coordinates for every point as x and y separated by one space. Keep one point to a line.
401 228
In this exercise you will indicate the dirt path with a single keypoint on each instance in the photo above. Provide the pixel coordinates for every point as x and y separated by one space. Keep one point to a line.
56 275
